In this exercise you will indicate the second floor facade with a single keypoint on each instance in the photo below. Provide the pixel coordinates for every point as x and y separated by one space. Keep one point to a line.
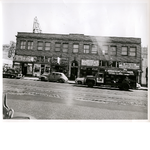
121 49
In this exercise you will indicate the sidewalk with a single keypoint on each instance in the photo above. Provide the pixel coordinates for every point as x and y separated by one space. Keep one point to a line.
37 79
30 78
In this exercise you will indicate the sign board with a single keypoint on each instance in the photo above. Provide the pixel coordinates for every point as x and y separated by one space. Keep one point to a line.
129 65
89 62
120 72
25 58
61 61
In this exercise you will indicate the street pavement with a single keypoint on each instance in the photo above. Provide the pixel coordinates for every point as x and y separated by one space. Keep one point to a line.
50 100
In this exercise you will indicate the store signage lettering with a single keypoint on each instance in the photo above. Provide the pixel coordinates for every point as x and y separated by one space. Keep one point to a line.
24 58
129 65
63 61
89 62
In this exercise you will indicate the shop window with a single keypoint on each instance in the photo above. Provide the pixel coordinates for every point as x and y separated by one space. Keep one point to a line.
114 64
23 45
38 58
40 46
94 49
42 58
132 51
124 51
47 59
86 49
65 47
47 46
113 50
57 47
105 49
103 63
29 68
75 48
30 45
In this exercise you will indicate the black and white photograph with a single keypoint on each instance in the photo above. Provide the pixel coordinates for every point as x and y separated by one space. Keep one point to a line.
74 61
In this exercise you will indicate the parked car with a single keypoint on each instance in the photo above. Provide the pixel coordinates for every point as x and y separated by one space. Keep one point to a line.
11 73
44 77
80 80
54 76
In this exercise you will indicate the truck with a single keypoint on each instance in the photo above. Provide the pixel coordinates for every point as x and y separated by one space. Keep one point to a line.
122 79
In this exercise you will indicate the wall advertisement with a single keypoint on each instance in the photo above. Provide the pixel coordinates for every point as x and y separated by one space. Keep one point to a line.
25 58
129 65
89 62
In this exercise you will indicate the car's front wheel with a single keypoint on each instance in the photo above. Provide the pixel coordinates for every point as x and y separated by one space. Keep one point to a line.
61 81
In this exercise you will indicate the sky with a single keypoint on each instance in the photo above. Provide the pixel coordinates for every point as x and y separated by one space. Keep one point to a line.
124 18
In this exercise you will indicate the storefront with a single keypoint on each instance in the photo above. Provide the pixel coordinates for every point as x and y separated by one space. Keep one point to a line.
30 65
89 67
135 67
35 66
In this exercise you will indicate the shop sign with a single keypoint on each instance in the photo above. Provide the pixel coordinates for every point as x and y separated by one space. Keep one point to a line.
64 61
89 62
120 72
25 58
129 65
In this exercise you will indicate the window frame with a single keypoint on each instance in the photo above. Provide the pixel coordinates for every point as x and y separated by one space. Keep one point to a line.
126 51
40 47
65 48
105 49
23 46
86 50
112 52
92 52
30 45
132 52
56 47
47 46
75 48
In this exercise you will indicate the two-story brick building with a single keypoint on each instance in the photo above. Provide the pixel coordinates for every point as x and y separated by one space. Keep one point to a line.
75 54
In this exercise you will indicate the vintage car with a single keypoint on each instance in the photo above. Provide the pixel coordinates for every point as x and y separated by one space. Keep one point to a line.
80 80
11 73
54 76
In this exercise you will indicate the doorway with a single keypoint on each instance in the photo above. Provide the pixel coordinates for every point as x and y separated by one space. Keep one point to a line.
74 73
74 70
24 69
89 71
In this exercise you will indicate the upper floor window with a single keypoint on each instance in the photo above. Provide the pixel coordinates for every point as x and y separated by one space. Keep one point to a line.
30 44
57 47
65 47
94 49
124 51
47 46
132 51
23 45
40 46
86 49
75 48
113 50
105 49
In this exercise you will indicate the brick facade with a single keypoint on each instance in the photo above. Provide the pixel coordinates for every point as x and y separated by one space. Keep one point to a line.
80 39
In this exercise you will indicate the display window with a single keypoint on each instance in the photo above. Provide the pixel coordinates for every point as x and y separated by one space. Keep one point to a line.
29 68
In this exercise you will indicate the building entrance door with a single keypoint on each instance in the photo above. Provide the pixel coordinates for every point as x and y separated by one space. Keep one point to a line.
89 71
74 72
24 69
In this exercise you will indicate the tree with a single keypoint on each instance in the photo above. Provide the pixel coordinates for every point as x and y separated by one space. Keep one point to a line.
12 48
